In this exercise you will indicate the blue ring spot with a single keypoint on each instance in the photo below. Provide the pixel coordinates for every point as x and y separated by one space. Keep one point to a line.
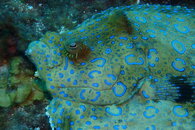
68 79
61 111
193 46
71 71
141 19
98 36
150 116
83 108
85 81
59 54
65 95
82 71
83 63
134 38
181 20
52 87
181 31
151 64
43 45
81 94
48 56
50 79
77 112
52 37
174 124
54 110
111 37
98 20
158 17
61 75
116 127
145 38
66 63
168 16
61 39
99 42
50 41
107 83
54 52
90 74
96 127
136 24
59 121
62 85
122 93
112 76
75 82
108 51
124 126
153 127
151 50
176 42
178 114
93 117
107 109
122 72
71 122
81 117
61 92
88 122
96 59
120 44
145 94
133 63
84 37
96 98
68 103
123 38
174 66
95 84
82 30
130 45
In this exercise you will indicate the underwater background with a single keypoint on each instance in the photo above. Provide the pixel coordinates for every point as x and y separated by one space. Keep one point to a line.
23 96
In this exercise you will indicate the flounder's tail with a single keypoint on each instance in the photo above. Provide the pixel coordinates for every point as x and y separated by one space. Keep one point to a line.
180 89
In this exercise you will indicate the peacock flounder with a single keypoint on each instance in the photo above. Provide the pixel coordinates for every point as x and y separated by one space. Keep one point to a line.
96 71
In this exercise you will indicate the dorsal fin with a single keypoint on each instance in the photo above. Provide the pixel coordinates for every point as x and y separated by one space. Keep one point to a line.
119 21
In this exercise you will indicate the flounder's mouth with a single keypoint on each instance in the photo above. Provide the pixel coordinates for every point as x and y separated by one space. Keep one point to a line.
91 87
85 87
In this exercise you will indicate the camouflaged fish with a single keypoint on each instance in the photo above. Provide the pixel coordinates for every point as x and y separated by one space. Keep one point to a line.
125 68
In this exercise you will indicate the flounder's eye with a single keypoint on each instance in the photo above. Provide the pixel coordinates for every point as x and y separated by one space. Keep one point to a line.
77 51
73 45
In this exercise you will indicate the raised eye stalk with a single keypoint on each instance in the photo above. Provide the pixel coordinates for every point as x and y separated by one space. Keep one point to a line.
76 51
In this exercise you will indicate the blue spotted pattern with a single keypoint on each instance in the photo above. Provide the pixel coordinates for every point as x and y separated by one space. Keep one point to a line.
133 51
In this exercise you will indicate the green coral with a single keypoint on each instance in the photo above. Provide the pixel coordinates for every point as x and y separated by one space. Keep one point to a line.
18 85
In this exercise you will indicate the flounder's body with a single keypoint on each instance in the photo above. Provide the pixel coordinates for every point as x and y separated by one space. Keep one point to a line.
94 71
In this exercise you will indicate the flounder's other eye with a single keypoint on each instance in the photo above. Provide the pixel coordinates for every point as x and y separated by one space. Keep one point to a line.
77 51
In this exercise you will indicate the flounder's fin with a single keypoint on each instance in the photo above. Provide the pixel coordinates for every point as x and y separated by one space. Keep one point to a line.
180 89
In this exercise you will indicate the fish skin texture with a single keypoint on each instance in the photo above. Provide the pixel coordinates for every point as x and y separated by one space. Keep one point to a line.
134 50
